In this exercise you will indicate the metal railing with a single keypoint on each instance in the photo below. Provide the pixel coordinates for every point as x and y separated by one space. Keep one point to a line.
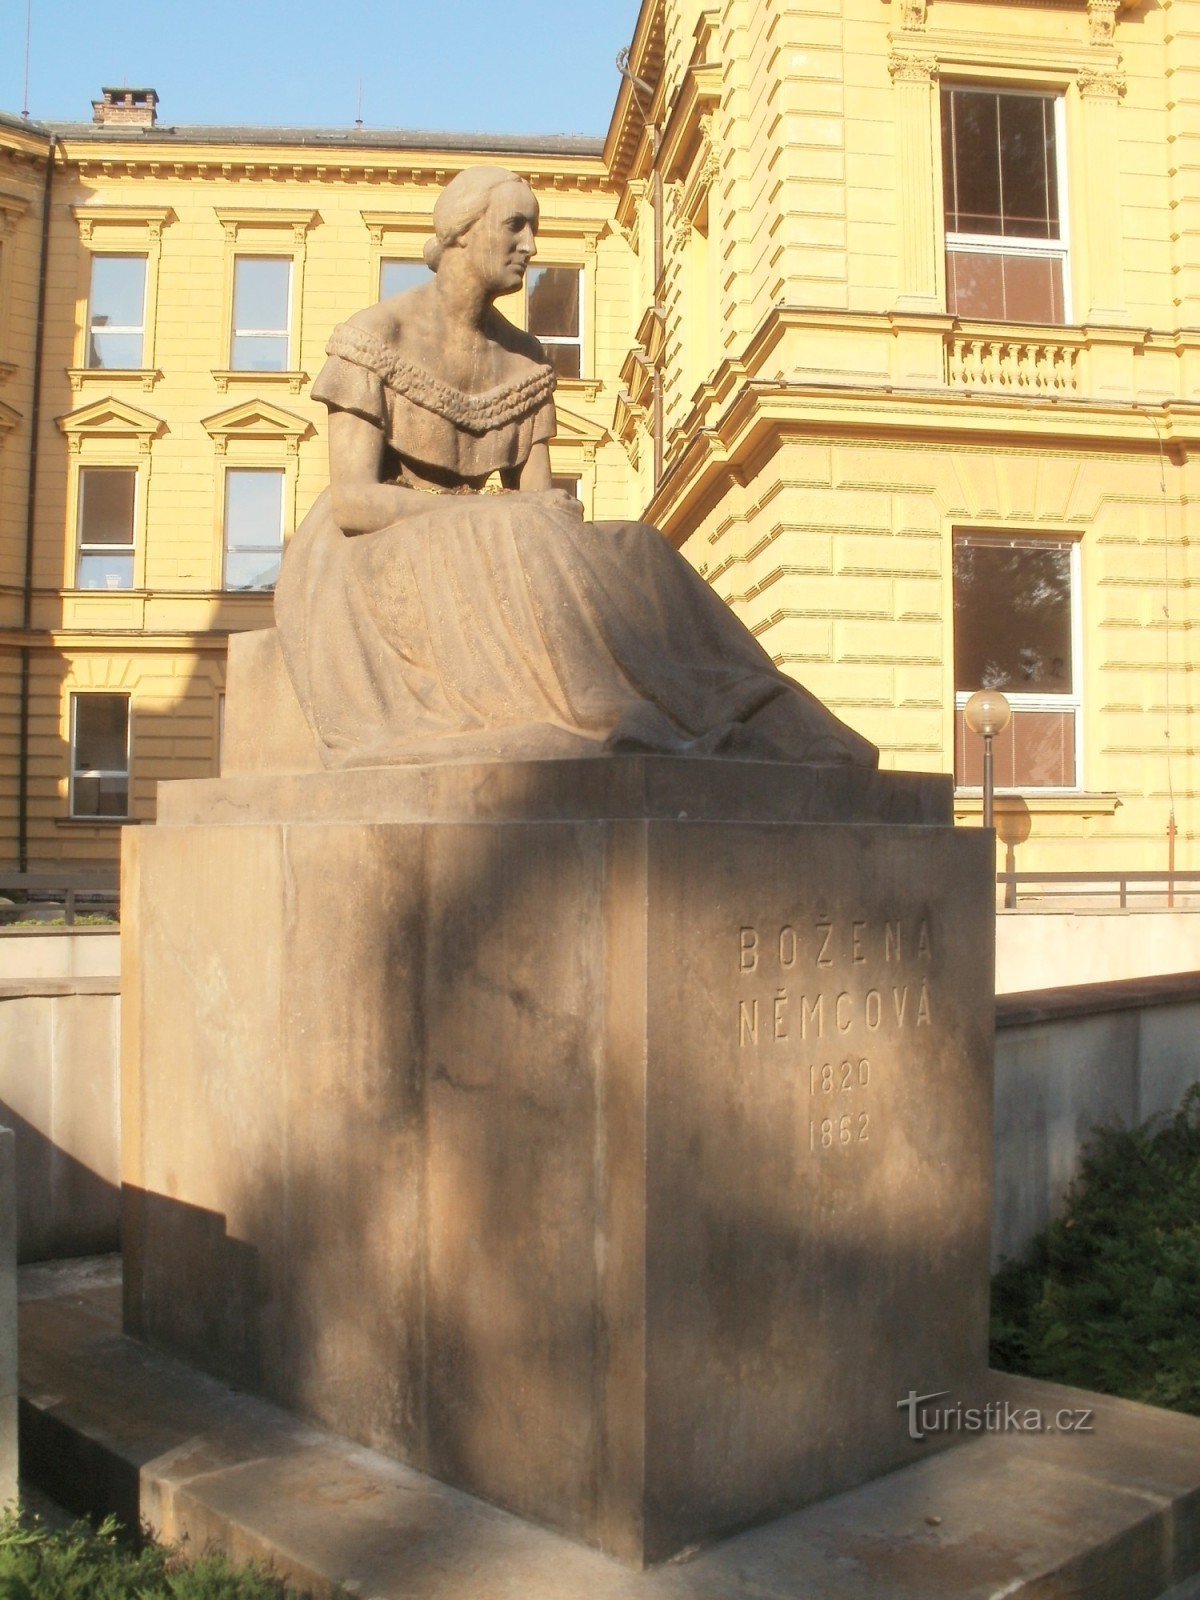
75 891
1178 890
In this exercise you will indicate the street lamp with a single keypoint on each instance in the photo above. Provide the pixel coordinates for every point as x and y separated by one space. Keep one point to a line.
987 713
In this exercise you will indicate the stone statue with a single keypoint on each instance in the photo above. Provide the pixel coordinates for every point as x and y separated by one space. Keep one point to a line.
423 618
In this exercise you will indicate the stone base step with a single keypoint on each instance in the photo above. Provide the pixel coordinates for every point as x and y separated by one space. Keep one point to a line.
1112 1512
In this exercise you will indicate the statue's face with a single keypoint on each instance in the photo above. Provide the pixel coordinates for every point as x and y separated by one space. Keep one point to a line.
504 240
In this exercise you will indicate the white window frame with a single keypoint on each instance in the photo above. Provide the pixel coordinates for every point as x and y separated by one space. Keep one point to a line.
101 772
286 331
252 549
547 341
140 329
1041 702
1002 244
92 549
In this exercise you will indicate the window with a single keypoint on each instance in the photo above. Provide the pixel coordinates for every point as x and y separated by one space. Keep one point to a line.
262 293
117 312
569 484
554 303
253 527
106 521
395 276
1002 172
99 755
1016 628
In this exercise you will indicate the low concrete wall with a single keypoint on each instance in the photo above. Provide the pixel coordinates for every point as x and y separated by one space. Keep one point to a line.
1048 949
1066 1061
59 953
60 1094
8 1319
1070 1060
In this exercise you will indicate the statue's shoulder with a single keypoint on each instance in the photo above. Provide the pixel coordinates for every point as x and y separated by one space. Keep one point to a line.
388 327
515 341
384 338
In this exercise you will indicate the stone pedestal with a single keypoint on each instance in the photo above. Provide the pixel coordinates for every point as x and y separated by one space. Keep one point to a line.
8 1319
609 1138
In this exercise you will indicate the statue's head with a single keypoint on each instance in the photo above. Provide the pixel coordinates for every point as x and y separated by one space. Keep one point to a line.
492 213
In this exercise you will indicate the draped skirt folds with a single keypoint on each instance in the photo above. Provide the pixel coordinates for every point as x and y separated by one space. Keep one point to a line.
503 627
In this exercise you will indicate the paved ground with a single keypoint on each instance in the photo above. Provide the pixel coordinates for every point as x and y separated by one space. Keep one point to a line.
1113 1514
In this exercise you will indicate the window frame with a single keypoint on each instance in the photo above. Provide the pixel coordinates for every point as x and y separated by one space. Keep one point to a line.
1000 244
1043 701
286 332
117 230
82 549
556 340
385 260
89 330
281 473
75 772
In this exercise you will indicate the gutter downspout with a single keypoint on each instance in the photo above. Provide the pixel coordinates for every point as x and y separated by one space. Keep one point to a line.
35 417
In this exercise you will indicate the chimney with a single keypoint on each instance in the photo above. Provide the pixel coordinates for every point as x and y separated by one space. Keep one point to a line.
126 108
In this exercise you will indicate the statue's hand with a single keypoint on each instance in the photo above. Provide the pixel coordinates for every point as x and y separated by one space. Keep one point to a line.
562 500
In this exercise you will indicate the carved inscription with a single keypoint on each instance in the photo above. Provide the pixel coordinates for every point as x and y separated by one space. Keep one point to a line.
816 995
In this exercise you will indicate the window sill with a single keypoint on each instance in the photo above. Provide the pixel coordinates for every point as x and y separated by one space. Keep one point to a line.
969 802
224 376
96 822
146 376
583 388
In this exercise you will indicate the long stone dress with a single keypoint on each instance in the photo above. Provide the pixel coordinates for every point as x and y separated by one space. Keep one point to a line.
500 626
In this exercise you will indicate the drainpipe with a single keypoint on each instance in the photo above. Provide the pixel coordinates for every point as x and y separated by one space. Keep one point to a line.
644 95
35 415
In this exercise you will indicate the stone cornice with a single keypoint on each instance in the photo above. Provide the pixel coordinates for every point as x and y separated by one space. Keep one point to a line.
627 128
726 448
297 163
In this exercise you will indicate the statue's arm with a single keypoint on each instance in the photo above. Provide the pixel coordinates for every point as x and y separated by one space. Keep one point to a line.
534 472
361 503
533 477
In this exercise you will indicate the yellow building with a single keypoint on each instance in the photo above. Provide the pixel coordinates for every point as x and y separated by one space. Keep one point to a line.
888 315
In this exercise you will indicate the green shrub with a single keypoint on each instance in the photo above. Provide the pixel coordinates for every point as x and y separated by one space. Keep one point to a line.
1109 1296
89 1564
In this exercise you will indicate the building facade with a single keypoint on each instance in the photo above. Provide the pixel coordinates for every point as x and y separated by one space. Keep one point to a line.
886 313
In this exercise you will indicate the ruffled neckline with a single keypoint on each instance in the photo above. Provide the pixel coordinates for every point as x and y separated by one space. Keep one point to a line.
475 413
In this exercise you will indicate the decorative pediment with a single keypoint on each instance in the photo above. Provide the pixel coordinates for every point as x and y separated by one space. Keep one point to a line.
572 231
240 220
111 418
148 219
8 418
12 208
1102 16
574 429
380 223
578 433
256 420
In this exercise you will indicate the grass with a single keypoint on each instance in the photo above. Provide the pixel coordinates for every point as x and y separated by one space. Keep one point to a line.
1108 1297
84 1563
83 919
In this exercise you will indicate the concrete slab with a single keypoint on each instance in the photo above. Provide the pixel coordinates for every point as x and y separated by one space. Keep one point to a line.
1110 1509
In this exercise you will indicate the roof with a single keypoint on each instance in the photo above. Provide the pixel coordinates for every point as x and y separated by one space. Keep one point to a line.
24 125
320 138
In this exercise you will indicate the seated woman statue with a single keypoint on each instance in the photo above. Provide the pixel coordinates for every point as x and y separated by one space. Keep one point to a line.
424 620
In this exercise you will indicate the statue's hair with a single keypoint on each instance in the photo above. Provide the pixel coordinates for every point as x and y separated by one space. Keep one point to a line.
462 202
